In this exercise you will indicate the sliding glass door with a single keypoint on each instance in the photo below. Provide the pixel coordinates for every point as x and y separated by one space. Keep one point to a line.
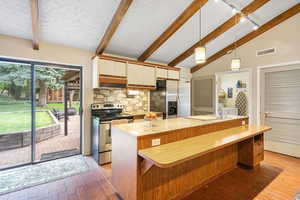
40 112
15 114
58 109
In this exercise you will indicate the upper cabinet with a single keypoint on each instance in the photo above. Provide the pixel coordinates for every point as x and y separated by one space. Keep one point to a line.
112 68
161 73
108 71
173 75
133 74
140 76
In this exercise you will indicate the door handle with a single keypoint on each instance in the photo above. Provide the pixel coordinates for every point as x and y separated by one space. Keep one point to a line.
266 114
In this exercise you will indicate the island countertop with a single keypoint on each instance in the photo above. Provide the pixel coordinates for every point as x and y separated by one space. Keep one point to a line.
171 154
139 129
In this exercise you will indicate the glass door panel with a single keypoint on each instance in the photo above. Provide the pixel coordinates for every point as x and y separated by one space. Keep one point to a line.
15 114
57 113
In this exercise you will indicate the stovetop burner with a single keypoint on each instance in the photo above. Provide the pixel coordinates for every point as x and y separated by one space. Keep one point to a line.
109 112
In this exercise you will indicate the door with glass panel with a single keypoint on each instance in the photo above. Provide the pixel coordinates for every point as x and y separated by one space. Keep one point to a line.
58 103
40 112
15 114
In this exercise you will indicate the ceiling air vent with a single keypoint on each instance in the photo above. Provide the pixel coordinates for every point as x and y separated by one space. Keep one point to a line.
265 52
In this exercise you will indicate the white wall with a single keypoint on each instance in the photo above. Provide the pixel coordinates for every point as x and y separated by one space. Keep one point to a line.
22 49
284 37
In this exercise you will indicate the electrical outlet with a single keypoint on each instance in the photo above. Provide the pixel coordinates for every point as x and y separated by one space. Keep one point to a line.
156 142
243 123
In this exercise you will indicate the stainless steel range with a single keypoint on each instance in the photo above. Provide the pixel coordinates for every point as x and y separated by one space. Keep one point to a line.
103 115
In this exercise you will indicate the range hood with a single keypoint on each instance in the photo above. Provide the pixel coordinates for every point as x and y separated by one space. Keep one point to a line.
112 81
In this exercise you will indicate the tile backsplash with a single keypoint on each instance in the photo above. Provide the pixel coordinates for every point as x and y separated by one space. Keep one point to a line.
137 103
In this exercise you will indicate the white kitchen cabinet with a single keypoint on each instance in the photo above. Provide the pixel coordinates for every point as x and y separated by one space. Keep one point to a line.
107 68
112 68
173 75
161 73
95 69
140 75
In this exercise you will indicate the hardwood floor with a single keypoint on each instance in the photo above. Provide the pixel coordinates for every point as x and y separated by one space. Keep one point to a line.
278 178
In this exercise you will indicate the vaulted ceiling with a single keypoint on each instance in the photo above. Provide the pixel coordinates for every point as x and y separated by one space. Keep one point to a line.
83 23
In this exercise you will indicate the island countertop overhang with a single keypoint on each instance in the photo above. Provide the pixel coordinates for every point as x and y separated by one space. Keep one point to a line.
171 154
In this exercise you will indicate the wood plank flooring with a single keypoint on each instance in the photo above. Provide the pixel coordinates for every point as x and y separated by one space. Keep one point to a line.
278 178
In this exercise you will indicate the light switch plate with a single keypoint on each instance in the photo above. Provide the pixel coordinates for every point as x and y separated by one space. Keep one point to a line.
156 142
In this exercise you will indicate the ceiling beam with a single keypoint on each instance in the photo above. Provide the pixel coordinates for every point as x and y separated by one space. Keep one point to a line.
250 8
115 22
267 26
35 23
185 16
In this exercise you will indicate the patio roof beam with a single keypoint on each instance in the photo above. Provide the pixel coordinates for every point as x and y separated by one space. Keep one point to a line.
35 23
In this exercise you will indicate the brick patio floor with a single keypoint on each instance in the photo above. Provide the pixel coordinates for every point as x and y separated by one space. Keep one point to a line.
58 143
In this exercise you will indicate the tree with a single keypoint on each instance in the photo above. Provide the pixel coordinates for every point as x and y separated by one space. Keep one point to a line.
48 77
15 79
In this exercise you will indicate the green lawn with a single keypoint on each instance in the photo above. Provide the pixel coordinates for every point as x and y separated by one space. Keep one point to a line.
15 106
21 121
59 106
23 106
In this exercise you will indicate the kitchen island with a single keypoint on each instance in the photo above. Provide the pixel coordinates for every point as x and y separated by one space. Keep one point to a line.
169 159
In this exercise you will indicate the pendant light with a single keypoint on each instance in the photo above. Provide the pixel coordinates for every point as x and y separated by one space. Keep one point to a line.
200 52
235 61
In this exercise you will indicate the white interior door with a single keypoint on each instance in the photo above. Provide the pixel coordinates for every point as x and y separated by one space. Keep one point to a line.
281 109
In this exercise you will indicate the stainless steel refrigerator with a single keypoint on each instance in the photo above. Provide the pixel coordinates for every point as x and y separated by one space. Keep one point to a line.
165 98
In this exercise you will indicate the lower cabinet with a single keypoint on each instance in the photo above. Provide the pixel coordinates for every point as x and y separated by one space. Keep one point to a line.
251 151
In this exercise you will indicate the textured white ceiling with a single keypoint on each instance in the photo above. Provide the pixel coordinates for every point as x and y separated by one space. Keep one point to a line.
240 4
144 22
272 9
188 34
222 41
77 23
15 18
261 16
82 23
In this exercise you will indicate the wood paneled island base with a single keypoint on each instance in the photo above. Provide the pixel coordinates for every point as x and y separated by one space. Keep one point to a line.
186 158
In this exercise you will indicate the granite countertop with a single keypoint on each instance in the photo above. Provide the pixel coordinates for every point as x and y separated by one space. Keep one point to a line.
157 126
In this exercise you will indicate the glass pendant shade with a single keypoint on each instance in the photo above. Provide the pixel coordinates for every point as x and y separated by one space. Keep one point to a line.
200 55
235 64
